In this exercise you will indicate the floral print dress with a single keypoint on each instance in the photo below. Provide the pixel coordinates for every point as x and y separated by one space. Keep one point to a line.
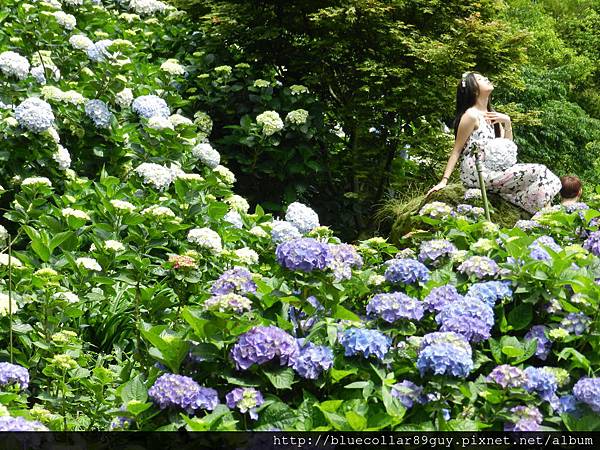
529 186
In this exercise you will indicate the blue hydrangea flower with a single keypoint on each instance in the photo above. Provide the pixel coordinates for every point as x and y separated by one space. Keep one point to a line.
98 111
304 254
529 418
592 243
543 382
576 323
431 251
537 250
263 344
479 266
367 342
13 374
527 225
147 106
237 280
408 393
469 317
567 404
8 423
587 390
302 217
406 271
282 231
508 376
312 360
342 258
441 296
490 291
577 206
538 332
246 400
98 51
171 390
395 306
445 353
34 114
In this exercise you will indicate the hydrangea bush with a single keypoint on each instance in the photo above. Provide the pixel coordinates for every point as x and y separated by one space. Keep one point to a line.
141 292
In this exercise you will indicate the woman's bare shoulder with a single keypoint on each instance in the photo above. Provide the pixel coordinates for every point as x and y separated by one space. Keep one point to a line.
470 118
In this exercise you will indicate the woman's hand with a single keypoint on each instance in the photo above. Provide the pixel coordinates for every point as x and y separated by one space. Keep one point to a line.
438 187
496 117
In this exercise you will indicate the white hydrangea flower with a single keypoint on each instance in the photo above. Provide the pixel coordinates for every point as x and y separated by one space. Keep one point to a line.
88 263
178 119
246 256
160 123
39 73
223 70
297 89
159 212
69 297
14 65
473 193
4 305
62 157
122 205
73 97
282 231
208 155
173 67
147 106
3 231
339 131
80 42
11 122
77 213
225 174
52 93
13 261
128 17
258 231
53 134
34 114
124 98
261 83
234 218
147 7
238 202
302 217
155 174
34 181
270 122
67 21
190 177
297 117
206 238
114 246
203 122
72 2
376 280
99 50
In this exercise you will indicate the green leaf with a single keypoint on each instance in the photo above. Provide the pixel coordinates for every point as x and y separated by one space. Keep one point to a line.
356 421
521 316
137 408
339 312
280 378
134 389
277 415
337 375
392 405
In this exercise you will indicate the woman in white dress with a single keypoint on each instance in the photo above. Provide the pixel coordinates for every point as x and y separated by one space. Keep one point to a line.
477 125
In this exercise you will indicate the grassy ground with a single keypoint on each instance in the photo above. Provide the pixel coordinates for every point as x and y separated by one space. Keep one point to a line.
400 213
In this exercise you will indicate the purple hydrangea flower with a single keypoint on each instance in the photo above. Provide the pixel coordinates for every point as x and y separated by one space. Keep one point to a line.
469 317
538 332
431 251
529 418
13 374
98 111
527 225
540 253
490 292
237 280
395 306
342 258
8 423
577 206
304 254
508 376
543 382
246 400
312 360
406 271
367 342
592 243
445 353
441 296
408 393
121 422
171 390
263 344
576 323
479 266
587 390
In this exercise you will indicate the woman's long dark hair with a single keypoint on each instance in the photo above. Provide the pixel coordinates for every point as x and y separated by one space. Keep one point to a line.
466 95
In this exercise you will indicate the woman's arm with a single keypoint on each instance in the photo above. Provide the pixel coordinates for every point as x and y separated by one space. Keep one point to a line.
466 126
494 117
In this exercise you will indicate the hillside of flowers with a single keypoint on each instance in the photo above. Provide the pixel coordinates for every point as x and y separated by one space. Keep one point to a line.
138 291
